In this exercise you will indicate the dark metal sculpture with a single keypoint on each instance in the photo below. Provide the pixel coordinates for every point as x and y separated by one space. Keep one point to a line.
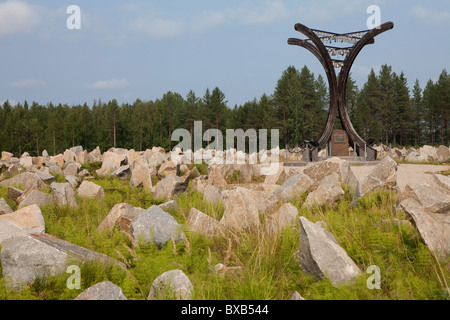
337 87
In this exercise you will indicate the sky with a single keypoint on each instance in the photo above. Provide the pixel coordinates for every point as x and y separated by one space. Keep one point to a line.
128 50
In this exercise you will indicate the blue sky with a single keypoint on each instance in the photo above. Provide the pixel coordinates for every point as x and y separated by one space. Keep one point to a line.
127 50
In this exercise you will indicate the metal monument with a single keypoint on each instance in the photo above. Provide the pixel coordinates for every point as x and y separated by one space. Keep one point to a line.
343 58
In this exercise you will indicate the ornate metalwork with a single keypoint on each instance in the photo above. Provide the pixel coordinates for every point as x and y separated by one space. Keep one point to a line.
347 55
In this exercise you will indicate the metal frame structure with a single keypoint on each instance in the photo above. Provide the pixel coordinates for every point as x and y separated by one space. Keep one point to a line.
337 87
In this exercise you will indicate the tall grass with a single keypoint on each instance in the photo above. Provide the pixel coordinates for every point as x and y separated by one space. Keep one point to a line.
263 264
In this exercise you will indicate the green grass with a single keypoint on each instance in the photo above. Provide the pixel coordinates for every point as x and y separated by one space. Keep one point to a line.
202 168
91 166
60 178
268 264
235 178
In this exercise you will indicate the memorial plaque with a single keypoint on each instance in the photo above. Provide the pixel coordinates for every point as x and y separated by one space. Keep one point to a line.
339 144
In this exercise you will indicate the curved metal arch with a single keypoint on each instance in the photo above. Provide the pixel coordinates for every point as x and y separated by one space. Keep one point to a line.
332 81
342 84
337 88
331 74
332 110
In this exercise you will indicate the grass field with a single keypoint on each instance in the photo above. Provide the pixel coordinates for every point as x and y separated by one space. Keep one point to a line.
269 270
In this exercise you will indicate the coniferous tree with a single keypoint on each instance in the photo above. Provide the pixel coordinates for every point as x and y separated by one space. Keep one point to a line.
417 113
442 107
387 107
429 104
286 83
403 117
367 118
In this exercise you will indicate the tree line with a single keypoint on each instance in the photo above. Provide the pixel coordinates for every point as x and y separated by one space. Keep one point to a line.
383 109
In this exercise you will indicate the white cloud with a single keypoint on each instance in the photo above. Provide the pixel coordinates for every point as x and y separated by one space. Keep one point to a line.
28 83
431 16
153 23
17 17
109 84
265 13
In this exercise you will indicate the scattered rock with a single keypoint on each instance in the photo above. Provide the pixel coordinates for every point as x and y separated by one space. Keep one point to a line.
13 194
173 284
105 290
413 156
76 150
443 154
36 197
83 173
442 181
122 172
170 186
297 296
29 219
278 178
69 157
26 162
90 190
327 193
25 180
202 223
240 211
55 169
123 213
141 176
111 162
73 180
433 228
294 186
4 207
156 159
199 184
428 208
95 155
318 171
383 175
82 157
155 225
6 156
64 195
167 168
12 170
169 205
46 176
435 200
212 194
9 230
320 255
71 169
269 188
31 256
282 218
215 178
428 153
